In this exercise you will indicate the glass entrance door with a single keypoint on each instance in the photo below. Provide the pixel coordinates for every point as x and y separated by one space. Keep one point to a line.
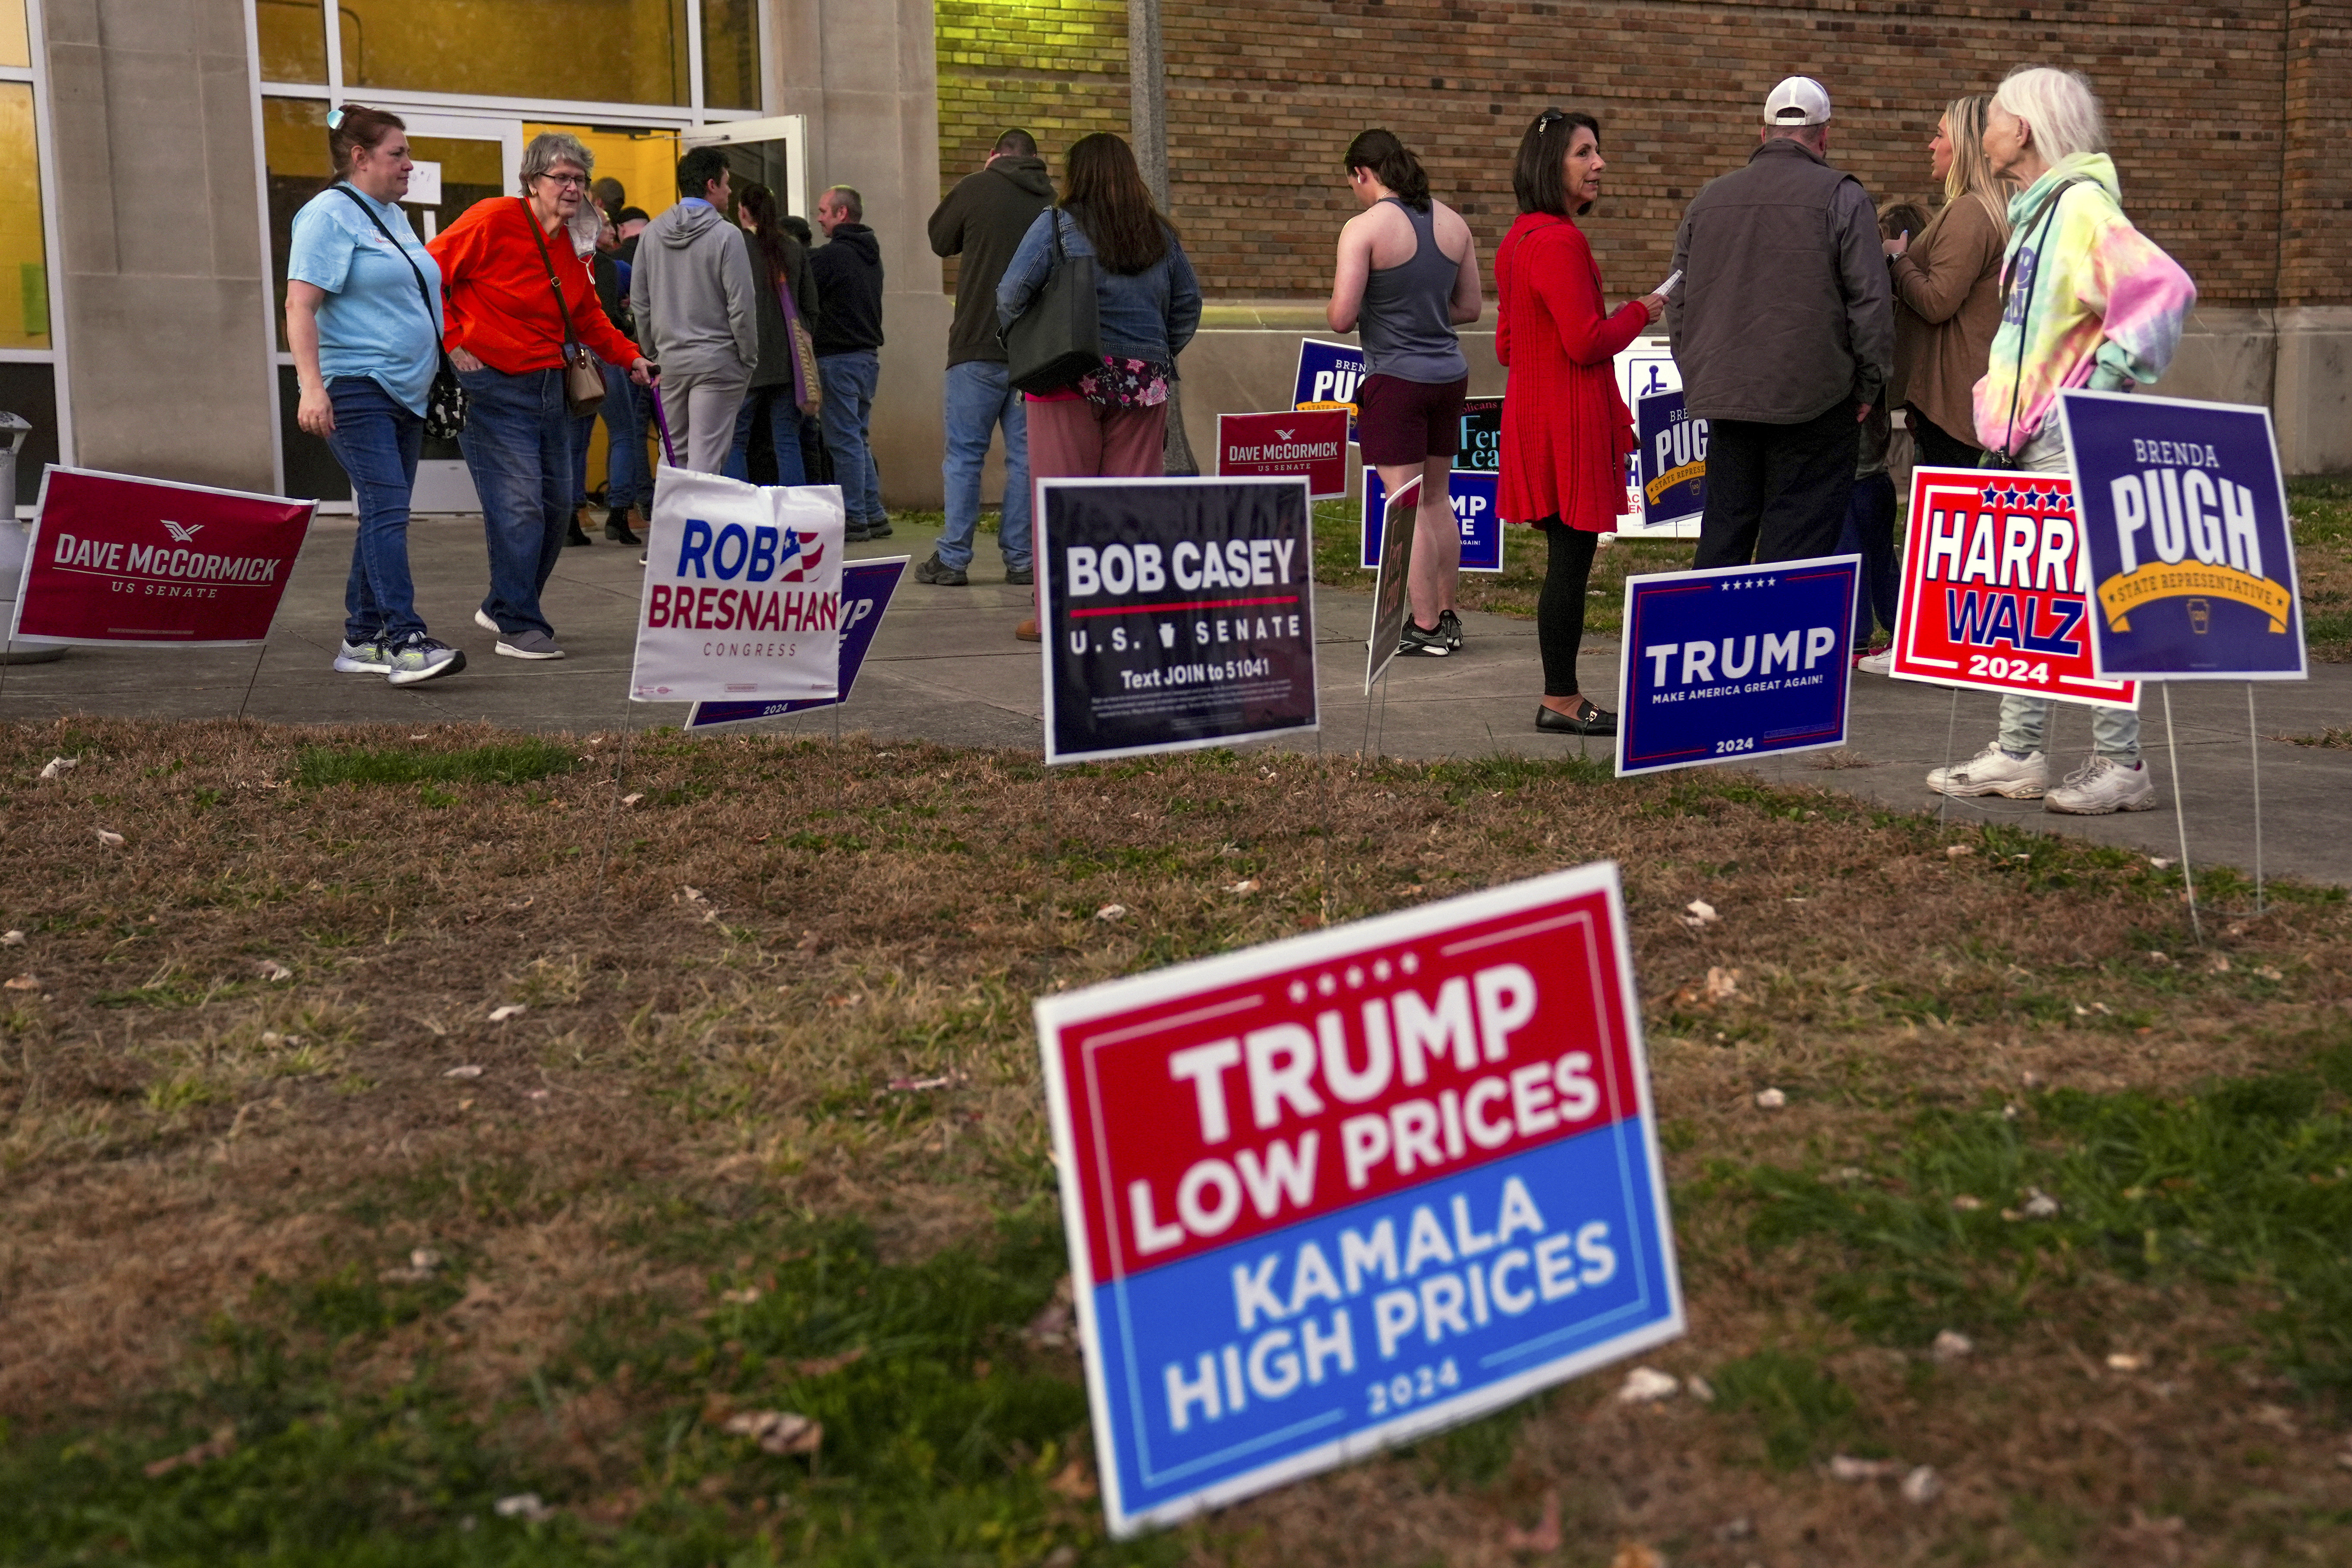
772 152
459 161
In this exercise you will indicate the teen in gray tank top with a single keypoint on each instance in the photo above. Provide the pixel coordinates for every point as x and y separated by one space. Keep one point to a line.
1407 327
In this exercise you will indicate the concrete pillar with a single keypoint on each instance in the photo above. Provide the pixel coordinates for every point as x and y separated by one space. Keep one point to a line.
165 293
866 74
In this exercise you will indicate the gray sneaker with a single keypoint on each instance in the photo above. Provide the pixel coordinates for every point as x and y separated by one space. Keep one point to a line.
529 645
422 658
940 574
363 659
877 528
1423 642
1449 626
482 619
1021 576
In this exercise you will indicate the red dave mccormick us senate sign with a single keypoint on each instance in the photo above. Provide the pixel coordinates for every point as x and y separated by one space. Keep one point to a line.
1340 1191
1996 587
115 559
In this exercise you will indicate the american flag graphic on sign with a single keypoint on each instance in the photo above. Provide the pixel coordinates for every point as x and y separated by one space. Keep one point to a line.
796 564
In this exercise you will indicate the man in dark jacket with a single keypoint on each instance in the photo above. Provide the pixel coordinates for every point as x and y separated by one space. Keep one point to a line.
1784 331
848 342
983 219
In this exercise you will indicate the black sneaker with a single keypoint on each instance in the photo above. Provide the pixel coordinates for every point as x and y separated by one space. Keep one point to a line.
1449 626
1419 643
855 533
1021 576
879 528
940 574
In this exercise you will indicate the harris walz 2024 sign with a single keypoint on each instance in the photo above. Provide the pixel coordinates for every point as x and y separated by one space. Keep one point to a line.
1177 613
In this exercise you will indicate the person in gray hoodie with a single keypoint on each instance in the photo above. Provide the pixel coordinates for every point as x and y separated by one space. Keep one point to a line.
691 292
983 219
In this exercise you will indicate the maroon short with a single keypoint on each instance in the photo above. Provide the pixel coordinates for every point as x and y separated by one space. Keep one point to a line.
1400 422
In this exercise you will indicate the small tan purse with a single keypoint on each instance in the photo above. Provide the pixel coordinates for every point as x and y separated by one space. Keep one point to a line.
584 378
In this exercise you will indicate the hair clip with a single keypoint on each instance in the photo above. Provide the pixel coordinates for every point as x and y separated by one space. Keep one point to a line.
335 119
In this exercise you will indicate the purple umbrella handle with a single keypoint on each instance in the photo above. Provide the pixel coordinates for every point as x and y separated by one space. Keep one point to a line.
661 420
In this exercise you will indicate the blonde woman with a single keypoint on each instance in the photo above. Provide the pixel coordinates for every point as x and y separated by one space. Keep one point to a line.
1946 283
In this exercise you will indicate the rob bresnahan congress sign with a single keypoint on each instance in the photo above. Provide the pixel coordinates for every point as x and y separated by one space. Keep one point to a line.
742 592
1341 1191
115 559
2185 519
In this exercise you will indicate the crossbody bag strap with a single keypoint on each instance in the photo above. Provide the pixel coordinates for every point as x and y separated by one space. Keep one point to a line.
562 308
2043 214
423 292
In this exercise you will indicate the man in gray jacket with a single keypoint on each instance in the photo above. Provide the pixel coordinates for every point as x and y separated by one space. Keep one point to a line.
1784 331
691 293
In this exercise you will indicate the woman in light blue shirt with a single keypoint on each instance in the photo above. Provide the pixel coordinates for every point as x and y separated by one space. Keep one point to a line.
364 320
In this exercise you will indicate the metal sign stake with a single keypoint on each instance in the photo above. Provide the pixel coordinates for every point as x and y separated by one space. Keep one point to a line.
2180 819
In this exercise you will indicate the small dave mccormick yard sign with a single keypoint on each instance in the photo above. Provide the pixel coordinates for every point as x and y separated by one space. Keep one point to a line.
1341 1191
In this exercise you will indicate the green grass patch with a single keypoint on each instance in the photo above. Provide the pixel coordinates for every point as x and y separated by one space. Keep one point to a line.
500 762
2242 1183
1800 1410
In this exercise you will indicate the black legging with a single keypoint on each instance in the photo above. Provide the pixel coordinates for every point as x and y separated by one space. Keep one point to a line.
1560 610
1937 448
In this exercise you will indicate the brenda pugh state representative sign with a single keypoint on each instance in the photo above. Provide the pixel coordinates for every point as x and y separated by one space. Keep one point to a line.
1341 1191
1995 585
1177 613
742 592
1736 660
116 558
2185 519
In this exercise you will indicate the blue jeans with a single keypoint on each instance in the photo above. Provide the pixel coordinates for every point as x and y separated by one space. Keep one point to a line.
517 446
775 405
629 480
849 380
376 440
980 397
1869 533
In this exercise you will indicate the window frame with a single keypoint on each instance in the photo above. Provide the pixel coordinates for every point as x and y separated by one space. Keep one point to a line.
36 76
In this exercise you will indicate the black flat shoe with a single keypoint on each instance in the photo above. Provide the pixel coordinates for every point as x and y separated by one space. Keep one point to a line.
1589 720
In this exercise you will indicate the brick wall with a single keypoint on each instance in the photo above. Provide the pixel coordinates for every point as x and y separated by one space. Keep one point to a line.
2225 119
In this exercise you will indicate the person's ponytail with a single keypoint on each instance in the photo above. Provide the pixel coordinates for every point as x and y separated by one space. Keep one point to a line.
1391 166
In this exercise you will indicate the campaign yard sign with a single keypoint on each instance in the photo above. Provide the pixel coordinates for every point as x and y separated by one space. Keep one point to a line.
866 589
1736 661
2184 514
1481 450
145 562
1177 613
1328 374
1313 442
1473 494
1673 456
1391 601
741 600
1337 1192
1995 585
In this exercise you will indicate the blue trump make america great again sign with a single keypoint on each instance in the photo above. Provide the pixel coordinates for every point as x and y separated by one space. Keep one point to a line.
2184 517
1735 662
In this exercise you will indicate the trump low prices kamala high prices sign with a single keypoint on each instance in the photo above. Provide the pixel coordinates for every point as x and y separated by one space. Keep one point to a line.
1472 492
1995 585
1176 613
741 600
1736 660
866 589
1340 1191
116 559
2184 516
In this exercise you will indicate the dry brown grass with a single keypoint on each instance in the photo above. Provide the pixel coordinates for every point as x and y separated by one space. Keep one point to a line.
722 979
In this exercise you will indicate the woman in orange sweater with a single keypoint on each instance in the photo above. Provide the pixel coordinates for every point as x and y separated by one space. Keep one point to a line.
1566 432
514 294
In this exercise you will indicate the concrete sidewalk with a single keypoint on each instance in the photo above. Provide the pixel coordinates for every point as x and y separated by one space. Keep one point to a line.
945 667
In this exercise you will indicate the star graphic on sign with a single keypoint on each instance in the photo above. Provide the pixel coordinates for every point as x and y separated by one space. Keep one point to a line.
1991 497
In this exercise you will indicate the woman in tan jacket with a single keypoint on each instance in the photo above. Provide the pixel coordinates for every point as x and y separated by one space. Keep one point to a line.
1948 290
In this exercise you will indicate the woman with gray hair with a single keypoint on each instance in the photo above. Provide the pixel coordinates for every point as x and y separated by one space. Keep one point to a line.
518 295
2091 302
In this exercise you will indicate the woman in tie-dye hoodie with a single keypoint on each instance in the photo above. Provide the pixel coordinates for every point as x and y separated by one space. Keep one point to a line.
2089 302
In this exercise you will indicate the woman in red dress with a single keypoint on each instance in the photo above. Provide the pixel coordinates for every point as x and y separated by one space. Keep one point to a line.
1566 432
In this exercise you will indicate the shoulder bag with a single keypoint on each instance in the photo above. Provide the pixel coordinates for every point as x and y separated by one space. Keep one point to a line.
2005 456
583 379
446 406
1057 341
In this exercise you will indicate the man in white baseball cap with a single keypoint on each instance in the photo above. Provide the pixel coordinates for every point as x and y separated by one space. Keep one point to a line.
1784 332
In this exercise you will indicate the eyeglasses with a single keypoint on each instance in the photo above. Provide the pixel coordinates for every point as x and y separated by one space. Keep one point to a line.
568 181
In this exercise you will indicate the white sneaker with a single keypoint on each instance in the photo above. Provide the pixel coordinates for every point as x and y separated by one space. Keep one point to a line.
482 619
367 658
2102 784
1993 772
423 658
1879 663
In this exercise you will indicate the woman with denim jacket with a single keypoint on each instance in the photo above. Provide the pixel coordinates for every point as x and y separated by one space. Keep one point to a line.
1113 422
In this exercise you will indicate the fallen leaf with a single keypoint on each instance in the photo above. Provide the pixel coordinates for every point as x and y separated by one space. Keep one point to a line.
1952 1345
1699 1388
1846 1468
694 895
1544 1537
1966 1202
1701 911
632 799
1957 852
1770 1100
524 1506
1111 911
271 969
24 983
2267 971
2161 863
222 1442
1646 1385
2123 1361
1637 1555
742 1297
1922 1486
809 942
2221 963
111 839
468 1071
1074 1481
12 938
1722 985
424 1258
911 1085
59 766
2040 1204
511 1010
826 1365
1244 887
778 1431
